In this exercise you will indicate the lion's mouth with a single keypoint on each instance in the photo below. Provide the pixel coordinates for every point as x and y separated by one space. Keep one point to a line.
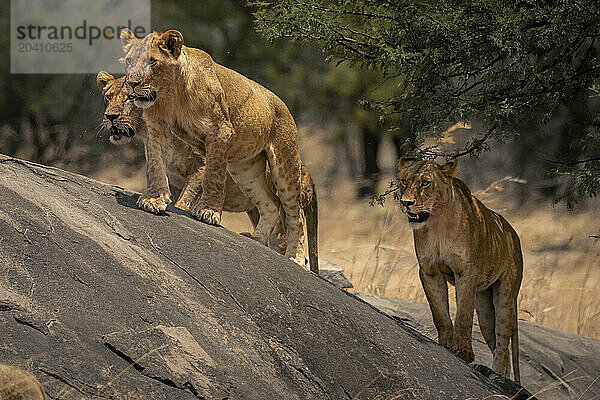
121 136
150 97
418 217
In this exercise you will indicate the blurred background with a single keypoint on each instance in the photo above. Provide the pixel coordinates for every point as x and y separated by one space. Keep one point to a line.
55 120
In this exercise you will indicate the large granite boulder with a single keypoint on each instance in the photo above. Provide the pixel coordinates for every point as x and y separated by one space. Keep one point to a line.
99 299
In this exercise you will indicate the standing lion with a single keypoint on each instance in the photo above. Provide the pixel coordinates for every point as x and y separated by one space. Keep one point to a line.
238 123
459 240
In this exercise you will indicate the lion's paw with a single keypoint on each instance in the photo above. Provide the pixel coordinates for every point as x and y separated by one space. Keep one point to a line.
277 241
445 340
466 355
298 260
207 216
156 205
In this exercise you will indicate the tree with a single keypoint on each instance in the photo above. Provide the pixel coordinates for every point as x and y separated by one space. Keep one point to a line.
511 65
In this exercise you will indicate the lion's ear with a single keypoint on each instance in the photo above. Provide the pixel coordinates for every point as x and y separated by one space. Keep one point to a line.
126 37
171 41
449 168
102 79
404 162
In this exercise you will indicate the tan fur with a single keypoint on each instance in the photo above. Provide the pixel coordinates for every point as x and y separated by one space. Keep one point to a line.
187 167
18 384
239 123
470 246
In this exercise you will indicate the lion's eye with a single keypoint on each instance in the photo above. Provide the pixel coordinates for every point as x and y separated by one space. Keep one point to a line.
131 97
425 184
403 182
108 97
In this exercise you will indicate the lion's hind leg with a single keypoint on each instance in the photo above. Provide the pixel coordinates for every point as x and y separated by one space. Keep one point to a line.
277 240
505 309
250 178
487 316
514 341
284 163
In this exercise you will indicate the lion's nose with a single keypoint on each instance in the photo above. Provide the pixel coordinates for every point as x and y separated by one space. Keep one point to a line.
407 203
111 117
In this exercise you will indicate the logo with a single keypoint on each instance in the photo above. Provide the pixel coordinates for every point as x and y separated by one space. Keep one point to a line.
73 36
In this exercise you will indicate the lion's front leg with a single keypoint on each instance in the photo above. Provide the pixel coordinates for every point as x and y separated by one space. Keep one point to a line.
466 292
210 206
436 291
159 151
192 190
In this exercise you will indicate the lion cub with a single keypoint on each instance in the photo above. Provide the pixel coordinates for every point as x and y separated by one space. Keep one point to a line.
124 122
241 126
458 240
186 168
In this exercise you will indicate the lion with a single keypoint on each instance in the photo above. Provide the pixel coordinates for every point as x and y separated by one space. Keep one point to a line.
239 124
18 384
460 241
186 169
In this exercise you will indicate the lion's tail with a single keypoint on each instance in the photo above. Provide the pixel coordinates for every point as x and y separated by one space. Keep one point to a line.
311 212
514 339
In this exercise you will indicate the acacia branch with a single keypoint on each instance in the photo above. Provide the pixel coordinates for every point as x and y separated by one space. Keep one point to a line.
587 160
475 145
344 12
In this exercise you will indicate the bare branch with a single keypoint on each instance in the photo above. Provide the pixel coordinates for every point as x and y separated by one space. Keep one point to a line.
587 160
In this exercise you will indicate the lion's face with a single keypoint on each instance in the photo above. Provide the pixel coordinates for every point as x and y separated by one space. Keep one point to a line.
151 64
120 117
424 187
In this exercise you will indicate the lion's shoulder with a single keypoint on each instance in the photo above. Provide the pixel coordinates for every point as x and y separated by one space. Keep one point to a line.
483 220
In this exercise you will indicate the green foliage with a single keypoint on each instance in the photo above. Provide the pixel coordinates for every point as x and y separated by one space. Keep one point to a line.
393 189
511 65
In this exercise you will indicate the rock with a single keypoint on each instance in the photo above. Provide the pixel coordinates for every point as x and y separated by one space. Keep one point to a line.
167 354
507 385
99 299
334 274
554 365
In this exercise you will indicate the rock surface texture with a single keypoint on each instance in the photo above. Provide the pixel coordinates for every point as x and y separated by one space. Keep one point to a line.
554 365
99 299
